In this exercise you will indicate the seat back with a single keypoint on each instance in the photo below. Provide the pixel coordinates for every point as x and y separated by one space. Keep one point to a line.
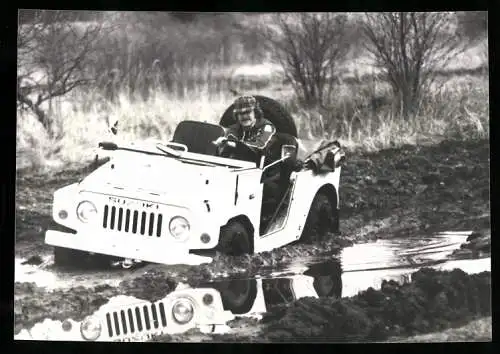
198 136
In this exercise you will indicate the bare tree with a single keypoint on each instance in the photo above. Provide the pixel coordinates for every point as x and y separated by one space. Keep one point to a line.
408 47
309 47
52 58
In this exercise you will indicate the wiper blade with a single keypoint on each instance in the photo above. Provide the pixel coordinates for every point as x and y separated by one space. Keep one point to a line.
167 150
106 145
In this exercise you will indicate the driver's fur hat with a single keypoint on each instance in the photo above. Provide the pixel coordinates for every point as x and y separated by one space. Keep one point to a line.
246 104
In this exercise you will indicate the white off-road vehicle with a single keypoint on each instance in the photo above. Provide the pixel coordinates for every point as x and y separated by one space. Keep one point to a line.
169 202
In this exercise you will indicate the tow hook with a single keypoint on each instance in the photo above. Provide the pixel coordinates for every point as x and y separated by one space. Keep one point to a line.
127 263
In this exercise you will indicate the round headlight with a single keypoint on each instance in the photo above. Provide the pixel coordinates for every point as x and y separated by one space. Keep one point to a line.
183 311
179 228
91 328
86 211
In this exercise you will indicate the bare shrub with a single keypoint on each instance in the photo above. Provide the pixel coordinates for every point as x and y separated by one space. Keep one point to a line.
52 59
309 47
409 47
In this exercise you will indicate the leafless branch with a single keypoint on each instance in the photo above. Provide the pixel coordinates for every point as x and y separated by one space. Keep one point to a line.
409 47
309 46
52 57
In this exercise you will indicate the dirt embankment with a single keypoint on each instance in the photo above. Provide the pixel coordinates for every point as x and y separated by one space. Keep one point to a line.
433 301
416 189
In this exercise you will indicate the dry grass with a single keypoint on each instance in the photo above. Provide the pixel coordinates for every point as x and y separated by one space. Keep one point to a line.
84 129
457 108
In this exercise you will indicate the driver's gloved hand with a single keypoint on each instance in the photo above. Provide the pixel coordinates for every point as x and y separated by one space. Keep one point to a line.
219 141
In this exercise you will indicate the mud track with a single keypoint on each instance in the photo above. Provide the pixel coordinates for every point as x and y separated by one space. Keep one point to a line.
433 301
407 192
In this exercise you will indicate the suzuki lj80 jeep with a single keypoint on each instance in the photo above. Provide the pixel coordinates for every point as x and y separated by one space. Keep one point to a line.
171 202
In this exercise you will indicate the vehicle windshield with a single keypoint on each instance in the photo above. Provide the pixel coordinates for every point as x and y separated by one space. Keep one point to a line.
202 160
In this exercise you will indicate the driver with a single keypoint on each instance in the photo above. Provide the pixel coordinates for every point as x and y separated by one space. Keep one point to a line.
251 135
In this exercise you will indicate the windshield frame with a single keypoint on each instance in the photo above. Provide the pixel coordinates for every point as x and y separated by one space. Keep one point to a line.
192 158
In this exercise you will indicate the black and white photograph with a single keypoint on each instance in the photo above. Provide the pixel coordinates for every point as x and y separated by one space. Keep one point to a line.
252 177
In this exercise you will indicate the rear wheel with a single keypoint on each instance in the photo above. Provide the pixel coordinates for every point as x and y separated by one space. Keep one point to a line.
235 240
321 221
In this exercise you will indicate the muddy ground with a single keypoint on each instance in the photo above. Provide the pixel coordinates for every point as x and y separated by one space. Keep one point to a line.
433 301
406 192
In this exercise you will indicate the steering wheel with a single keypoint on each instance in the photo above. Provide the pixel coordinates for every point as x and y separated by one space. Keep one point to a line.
239 150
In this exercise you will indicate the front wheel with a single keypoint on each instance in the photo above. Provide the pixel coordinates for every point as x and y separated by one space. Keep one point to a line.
321 221
238 296
235 240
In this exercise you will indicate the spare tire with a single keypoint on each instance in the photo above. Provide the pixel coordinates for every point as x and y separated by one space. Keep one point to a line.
272 110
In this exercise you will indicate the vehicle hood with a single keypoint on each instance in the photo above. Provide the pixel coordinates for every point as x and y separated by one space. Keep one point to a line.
155 174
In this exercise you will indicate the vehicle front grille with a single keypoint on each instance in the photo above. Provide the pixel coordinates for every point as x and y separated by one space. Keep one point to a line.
136 320
132 221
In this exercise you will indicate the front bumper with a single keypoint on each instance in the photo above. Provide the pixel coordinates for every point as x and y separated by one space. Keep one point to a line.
126 246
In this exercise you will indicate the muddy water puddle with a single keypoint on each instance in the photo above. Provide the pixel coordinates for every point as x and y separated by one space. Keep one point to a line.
218 305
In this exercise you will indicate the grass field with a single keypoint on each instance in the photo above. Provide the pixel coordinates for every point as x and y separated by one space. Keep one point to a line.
457 108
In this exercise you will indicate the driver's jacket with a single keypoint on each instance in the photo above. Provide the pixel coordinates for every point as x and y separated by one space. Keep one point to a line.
256 138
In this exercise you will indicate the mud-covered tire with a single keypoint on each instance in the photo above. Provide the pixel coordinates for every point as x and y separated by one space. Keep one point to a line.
327 279
238 296
66 257
321 221
272 110
235 239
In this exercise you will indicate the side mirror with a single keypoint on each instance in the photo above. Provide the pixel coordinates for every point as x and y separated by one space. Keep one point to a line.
288 151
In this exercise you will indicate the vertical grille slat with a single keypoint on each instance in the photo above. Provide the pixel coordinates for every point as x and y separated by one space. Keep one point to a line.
124 322
143 222
105 218
134 223
138 318
146 317
151 223
131 320
127 220
120 218
110 328
162 315
117 323
158 225
112 221
155 316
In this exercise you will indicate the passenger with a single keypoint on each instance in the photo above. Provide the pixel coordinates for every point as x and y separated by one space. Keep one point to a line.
252 133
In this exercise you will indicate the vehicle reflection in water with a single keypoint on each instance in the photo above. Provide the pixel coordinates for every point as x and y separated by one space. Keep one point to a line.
211 305
207 307
255 296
